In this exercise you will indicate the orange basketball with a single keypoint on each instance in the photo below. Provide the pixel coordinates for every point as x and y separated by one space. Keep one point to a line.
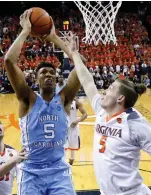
40 21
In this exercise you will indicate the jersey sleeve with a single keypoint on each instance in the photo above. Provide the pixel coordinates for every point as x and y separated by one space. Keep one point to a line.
141 134
96 103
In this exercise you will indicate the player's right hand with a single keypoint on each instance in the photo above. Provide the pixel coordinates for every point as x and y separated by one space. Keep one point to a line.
20 156
71 42
25 21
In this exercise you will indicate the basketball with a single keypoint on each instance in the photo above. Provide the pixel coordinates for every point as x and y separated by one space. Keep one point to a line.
41 22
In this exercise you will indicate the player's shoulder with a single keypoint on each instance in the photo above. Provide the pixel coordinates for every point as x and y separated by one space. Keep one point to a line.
136 118
10 148
133 114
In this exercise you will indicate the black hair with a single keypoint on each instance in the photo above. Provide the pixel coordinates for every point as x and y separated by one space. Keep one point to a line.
44 64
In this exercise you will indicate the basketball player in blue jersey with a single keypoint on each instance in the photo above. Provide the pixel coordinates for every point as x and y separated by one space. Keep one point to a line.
43 121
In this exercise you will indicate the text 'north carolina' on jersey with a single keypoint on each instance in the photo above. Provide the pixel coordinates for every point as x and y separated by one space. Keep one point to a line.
117 145
6 182
44 131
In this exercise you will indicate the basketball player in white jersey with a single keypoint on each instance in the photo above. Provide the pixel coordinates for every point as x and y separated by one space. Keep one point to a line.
8 160
121 132
74 131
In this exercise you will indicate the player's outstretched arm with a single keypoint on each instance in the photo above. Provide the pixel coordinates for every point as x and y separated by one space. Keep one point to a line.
15 75
73 85
6 167
53 37
84 75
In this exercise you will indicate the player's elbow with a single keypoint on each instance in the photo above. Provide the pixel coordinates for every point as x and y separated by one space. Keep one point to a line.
85 115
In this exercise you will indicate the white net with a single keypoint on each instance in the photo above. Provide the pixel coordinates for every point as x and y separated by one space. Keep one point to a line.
99 18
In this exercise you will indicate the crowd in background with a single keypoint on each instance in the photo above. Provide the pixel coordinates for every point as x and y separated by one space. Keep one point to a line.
131 58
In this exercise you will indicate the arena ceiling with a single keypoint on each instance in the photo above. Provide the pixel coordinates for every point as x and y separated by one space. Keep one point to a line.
17 7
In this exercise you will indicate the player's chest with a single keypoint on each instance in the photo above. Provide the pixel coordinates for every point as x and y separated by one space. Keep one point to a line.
5 157
115 132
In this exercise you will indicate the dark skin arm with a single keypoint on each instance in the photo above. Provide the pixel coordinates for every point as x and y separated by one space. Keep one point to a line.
73 85
25 95
71 89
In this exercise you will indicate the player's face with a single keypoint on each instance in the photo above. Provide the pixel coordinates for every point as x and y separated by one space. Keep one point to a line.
110 96
1 130
47 78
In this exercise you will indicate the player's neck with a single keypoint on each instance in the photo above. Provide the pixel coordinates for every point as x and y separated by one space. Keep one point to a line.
46 96
115 111
1 146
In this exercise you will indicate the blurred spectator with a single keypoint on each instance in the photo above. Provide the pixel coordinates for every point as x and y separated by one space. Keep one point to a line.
146 81
61 83
35 85
100 83
143 70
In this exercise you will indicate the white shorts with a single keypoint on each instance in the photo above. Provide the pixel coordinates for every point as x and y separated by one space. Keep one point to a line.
142 190
73 141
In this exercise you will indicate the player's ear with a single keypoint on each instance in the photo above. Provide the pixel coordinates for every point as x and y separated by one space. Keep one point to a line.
121 98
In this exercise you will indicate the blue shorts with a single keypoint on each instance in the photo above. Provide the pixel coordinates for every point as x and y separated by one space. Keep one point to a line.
47 183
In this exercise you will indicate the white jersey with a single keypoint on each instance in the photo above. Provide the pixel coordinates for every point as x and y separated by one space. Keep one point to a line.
73 141
73 112
117 145
6 182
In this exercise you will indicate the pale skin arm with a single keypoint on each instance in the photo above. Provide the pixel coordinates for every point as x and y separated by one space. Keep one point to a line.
52 37
6 167
82 117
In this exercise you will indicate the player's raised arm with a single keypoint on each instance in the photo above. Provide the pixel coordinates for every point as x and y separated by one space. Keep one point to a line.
15 75
73 85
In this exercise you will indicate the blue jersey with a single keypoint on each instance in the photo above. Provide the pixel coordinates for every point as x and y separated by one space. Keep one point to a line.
44 132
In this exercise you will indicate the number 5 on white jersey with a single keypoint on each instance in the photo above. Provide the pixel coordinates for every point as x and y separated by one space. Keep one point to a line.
103 144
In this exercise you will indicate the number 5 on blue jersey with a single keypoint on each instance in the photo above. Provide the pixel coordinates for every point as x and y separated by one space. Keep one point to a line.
49 131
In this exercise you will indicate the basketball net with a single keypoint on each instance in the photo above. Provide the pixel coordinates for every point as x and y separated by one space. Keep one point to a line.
99 18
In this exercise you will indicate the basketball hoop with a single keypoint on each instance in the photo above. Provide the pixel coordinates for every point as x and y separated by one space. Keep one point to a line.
99 18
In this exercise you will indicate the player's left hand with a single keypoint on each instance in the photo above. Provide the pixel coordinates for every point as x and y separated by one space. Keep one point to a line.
20 156
25 21
74 124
